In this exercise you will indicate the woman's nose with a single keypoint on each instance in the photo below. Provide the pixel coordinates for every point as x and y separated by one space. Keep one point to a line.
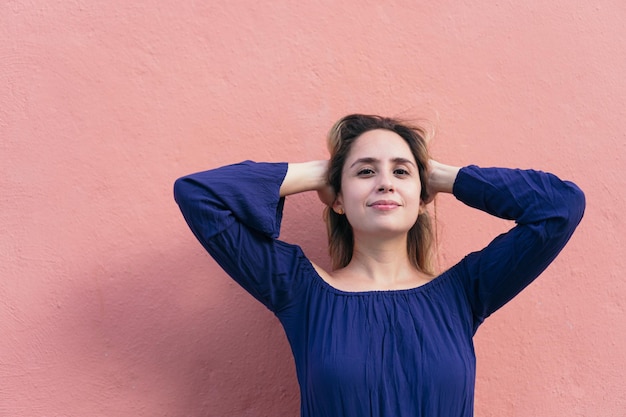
385 187
385 181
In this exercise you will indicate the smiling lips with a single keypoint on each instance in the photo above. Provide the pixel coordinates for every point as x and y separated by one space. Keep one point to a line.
384 204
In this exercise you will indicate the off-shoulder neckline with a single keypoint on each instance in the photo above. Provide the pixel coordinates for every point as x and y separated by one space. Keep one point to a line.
321 282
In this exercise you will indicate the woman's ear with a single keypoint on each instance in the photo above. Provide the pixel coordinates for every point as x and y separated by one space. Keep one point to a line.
338 205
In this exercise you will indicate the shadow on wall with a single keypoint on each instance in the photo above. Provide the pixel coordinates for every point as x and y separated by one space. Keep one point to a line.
173 335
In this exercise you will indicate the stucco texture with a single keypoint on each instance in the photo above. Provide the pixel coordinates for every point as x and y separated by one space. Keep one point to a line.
109 306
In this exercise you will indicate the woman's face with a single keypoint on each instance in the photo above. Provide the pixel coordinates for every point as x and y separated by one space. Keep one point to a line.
380 185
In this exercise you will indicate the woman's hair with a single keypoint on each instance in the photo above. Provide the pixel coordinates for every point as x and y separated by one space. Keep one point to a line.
340 140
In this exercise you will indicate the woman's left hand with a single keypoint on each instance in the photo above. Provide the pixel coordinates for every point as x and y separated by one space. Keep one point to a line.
441 179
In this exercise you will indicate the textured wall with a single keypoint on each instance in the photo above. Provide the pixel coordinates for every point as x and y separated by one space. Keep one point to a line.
108 305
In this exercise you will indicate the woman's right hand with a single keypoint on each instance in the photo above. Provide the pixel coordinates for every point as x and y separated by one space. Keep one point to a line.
308 176
327 194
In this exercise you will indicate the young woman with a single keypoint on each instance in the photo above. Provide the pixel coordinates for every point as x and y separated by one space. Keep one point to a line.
380 334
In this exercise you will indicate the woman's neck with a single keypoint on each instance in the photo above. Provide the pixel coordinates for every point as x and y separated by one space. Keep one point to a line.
382 264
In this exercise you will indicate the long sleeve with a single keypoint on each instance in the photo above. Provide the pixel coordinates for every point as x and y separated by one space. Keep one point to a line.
546 211
235 212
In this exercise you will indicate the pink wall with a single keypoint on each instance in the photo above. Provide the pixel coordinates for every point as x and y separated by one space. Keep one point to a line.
108 305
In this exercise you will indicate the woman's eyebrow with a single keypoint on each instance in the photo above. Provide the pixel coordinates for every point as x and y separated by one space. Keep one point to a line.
370 160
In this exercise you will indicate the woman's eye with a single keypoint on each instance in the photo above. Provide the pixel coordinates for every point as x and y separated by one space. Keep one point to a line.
365 172
401 171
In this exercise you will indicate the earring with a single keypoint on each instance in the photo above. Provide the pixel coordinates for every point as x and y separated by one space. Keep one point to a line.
340 211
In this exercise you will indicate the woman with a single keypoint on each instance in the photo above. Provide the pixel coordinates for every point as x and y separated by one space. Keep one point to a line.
380 334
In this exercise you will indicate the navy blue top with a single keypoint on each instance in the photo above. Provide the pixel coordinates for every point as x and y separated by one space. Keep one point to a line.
395 353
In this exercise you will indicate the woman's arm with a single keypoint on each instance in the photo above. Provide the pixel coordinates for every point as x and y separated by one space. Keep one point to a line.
546 211
304 176
308 176
441 178
235 211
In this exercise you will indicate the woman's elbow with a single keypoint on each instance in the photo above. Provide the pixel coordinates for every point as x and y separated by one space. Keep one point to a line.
184 190
574 203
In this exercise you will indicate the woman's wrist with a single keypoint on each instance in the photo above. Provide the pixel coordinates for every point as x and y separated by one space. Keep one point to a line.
441 178
304 176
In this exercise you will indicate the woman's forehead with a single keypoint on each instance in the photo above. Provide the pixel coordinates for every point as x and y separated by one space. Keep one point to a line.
380 144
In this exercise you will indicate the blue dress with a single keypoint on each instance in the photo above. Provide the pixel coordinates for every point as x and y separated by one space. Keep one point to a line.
396 353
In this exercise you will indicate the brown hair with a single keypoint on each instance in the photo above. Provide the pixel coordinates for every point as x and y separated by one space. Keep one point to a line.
340 139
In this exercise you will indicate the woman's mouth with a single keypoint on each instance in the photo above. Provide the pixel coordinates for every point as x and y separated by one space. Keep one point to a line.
384 204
